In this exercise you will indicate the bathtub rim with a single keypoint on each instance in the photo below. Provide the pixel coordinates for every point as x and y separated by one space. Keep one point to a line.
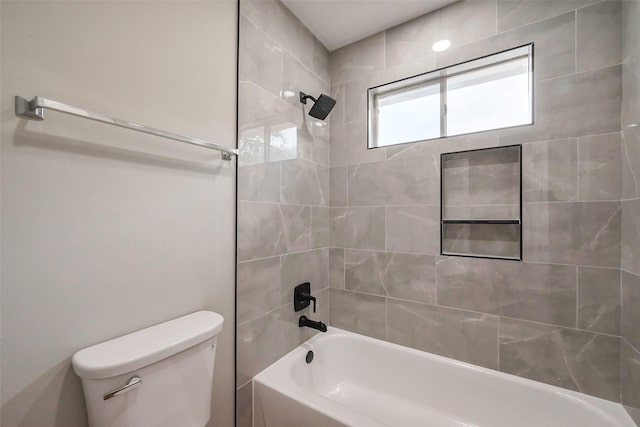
273 375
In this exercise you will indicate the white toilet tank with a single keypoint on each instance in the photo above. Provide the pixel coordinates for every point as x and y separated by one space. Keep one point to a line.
157 377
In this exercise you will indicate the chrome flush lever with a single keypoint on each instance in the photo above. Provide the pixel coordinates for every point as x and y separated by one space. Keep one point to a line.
130 385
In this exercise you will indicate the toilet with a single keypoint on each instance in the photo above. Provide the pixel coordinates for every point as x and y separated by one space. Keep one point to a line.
161 376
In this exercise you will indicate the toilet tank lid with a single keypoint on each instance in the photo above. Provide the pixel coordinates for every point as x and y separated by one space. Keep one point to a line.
147 346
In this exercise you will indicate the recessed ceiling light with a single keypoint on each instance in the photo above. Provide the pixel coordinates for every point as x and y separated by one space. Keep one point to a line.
441 45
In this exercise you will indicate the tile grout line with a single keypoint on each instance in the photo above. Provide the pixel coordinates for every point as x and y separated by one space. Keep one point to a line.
622 329
496 19
575 41
578 198
253 402
344 270
285 50
546 202
551 17
577 297
512 29
464 310
386 318
633 347
441 258
499 367
574 11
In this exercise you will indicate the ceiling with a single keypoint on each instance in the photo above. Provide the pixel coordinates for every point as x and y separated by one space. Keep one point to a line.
337 23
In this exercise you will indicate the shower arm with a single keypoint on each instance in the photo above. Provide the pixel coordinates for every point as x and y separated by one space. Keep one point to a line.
304 97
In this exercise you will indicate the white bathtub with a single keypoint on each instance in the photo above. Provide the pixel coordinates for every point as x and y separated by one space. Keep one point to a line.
359 381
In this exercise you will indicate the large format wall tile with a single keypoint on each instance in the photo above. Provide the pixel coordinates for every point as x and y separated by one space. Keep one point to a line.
585 233
259 182
304 183
515 13
599 36
413 229
267 229
258 287
321 62
599 299
394 182
338 186
569 358
554 47
631 88
631 236
301 267
349 145
278 22
319 227
358 228
577 105
404 276
244 402
630 380
295 78
539 292
630 162
630 284
432 149
357 59
263 119
265 339
549 171
599 165
356 312
260 58
461 23
356 95
462 335
336 268
337 114
313 141
630 19
265 108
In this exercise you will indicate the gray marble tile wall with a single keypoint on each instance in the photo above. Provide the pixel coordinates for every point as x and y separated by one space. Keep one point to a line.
630 196
283 189
557 316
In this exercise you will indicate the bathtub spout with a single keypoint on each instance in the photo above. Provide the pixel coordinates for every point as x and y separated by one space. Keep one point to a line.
304 321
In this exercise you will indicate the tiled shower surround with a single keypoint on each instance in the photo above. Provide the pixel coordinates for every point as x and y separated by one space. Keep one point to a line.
283 189
366 222
630 195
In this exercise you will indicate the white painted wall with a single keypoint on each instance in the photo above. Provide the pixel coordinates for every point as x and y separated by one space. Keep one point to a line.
105 231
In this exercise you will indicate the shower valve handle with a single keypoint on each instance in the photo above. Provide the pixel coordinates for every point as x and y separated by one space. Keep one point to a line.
302 297
310 298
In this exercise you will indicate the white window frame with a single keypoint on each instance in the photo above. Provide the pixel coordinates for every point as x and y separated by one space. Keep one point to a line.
442 75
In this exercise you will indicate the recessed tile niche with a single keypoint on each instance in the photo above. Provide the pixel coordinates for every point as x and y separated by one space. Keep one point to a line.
481 203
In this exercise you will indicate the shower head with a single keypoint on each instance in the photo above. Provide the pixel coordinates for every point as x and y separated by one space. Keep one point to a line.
321 107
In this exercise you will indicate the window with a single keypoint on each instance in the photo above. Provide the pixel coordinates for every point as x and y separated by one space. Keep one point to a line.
493 92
